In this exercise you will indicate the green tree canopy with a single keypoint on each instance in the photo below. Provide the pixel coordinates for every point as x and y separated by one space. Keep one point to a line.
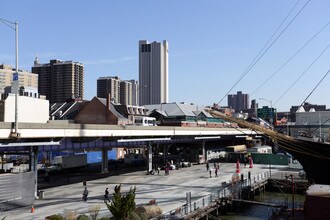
122 205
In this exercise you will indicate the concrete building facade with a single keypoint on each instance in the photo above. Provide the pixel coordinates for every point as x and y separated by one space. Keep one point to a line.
109 84
238 101
25 79
135 92
126 93
60 80
153 72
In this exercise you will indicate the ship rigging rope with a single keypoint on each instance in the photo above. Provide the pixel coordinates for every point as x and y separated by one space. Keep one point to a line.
261 54
284 141
301 75
286 62
315 87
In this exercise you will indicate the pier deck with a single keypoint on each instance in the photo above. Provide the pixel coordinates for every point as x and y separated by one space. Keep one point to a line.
169 192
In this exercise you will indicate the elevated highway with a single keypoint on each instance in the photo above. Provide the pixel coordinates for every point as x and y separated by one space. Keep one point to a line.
63 135
66 129
57 133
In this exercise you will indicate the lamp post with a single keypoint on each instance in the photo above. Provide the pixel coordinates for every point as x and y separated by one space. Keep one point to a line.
271 109
14 26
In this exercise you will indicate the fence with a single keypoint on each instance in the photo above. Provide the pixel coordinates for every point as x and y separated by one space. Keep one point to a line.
225 190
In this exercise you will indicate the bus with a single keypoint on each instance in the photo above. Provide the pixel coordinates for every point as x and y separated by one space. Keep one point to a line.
145 121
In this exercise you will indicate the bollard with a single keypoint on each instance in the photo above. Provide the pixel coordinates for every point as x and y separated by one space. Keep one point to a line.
203 202
194 206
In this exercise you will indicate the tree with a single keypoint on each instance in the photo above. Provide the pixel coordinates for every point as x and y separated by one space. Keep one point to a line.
122 205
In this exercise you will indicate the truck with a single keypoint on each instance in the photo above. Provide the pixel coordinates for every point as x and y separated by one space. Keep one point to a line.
67 162
134 159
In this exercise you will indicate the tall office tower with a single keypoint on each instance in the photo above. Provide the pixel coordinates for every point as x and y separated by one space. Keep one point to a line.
153 72
126 93
238 101
109 84
135 92
26 79
59 80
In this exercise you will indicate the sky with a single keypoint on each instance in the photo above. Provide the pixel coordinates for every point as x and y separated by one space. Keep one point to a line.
211 44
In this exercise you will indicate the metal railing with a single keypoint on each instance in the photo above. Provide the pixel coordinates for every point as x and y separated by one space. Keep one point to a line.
225 190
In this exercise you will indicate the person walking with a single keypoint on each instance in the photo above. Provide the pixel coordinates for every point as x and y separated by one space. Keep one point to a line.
210 171
106 195
85 194
216 171
158 169
207 166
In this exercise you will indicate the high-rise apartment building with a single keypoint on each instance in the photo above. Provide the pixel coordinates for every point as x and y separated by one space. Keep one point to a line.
125 93
26 79
109 84
153 72
59 80
135 92
238 101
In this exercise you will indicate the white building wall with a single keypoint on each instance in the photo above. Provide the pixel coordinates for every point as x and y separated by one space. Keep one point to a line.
29 109
313 118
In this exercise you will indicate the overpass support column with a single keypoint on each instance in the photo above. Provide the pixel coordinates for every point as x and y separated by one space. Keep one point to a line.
33 166
204 152
149 157
104 160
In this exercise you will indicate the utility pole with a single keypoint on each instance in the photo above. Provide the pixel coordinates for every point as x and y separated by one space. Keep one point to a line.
14 26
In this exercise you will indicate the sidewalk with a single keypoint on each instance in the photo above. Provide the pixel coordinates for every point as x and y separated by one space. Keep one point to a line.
168 191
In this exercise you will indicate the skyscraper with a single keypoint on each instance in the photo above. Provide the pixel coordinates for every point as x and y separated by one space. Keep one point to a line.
109 84
26 79
135 92
125 93
238 101
59 80
153 72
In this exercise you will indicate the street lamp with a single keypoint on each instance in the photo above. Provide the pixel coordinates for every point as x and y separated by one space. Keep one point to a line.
271 109
14 26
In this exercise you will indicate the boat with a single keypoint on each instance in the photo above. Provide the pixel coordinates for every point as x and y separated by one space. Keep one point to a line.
312 154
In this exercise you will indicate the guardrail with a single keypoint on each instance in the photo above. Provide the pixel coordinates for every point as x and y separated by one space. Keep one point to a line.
225 190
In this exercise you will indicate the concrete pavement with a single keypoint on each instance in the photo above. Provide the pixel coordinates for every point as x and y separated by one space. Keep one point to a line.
168 191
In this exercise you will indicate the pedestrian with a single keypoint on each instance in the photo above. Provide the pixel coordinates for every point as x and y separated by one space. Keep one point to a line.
166 170
207 166
215 166
106 195
85 194
245 161
216 171
158 169
210 171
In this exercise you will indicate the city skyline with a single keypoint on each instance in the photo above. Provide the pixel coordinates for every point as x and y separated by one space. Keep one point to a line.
212 43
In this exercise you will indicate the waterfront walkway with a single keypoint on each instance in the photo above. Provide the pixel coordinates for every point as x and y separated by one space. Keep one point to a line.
168 191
